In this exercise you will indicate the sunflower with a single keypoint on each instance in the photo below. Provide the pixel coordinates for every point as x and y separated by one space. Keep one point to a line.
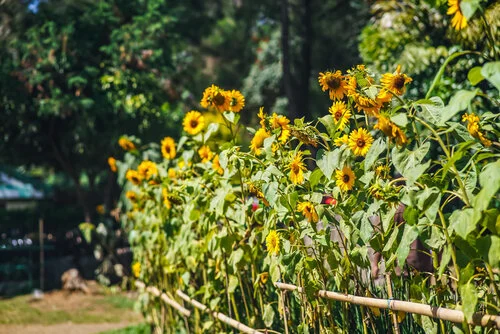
262 117
391 130
168 148
360 141
308 210
258 141
383 171
171 173
166 201
136 269
147 169
100 209
112 164
131 195
236 100
273 242
126 144
281 122
216 98
297 169
393 83
334 83
205 153
193 122
343 140
216 165
368 105
182 164
458 21
474 128
133 176
345 178
340 114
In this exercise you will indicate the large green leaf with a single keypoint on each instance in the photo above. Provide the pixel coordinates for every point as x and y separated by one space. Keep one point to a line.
409 163
491 71
469 299
409 235
330 161
268 315
469 7
375 150
489 179
460 101
461 221
489 248
432 109
428 202
475 75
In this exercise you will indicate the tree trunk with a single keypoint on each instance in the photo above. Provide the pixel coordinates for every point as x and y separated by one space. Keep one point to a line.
296 66
68 168
285 62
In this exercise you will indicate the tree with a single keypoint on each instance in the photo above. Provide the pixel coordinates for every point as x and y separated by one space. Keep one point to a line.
78 75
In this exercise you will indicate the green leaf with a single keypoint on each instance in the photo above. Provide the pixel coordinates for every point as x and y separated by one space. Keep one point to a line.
475 75
461 222
330 161
86 229
233 283
211 129
469 7
232 117
410 215
315 177
460 101
268 315
236 257
491 71
469 299
271 192
432 109
400 119
489 248
428 202
376 149
329 124
489 179
409 235
445 260
409 163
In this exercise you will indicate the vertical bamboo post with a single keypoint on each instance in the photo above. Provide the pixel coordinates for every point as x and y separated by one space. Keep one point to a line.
42 255
394 315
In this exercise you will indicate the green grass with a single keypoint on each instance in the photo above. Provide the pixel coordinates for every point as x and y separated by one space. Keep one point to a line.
136 329
94 309
118 301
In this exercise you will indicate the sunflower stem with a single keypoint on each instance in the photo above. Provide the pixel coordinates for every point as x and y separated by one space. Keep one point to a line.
440 73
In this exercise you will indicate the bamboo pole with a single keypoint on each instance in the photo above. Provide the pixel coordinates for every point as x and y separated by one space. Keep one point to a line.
478 319
394 316
222 317
163 296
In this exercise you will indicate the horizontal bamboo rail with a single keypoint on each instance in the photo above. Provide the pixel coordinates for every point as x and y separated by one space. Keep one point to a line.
478 319
222 317
154 291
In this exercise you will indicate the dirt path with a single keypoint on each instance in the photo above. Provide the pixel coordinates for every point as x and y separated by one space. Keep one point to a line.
67 328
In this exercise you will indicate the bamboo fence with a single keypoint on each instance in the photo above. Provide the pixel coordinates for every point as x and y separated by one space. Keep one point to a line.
163 296
478 319
222 317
